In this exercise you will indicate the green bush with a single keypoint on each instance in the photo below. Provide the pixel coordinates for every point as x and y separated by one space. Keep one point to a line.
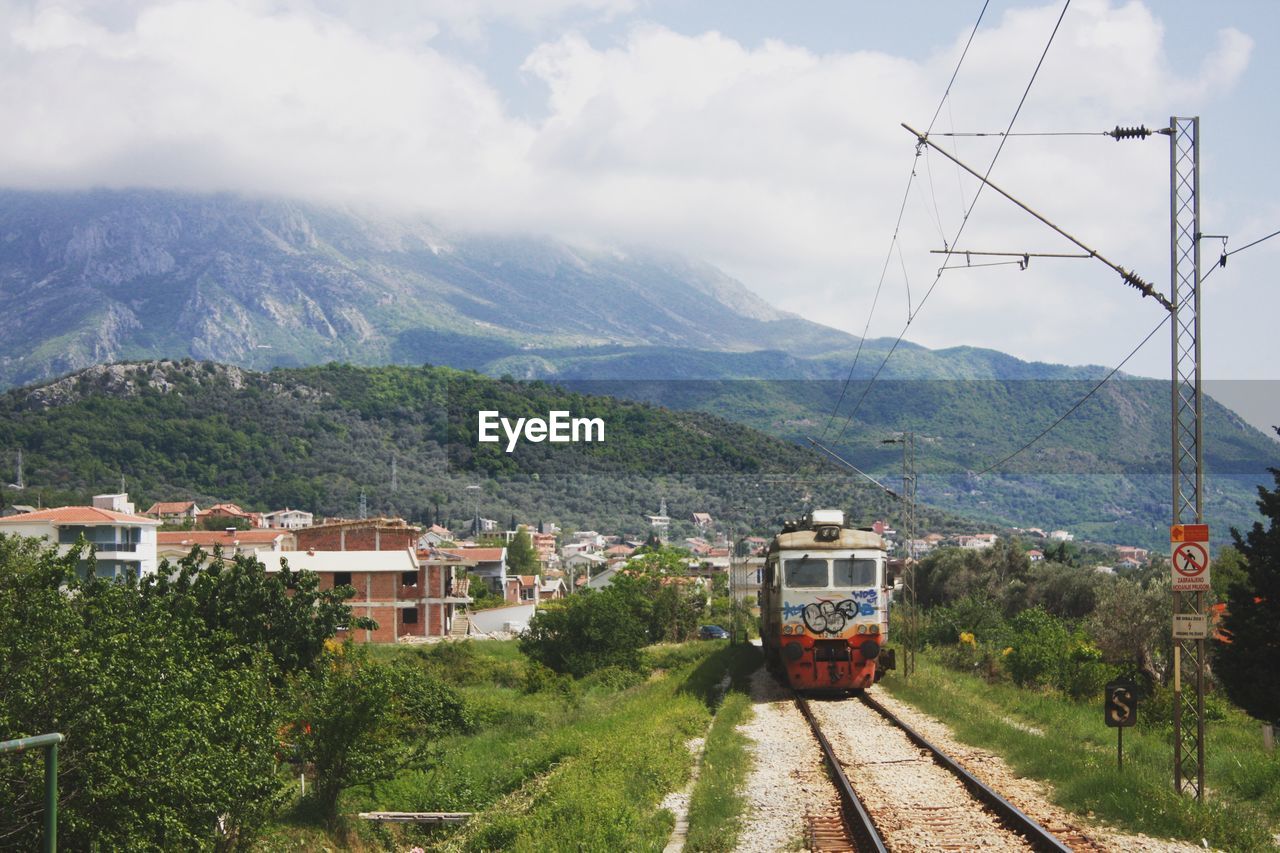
587 632
1039 643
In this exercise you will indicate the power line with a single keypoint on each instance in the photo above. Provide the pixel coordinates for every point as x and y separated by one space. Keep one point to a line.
844 389
1081 401
1029 133
963 222
959 62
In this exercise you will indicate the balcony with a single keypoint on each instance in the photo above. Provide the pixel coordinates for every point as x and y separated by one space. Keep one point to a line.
114 547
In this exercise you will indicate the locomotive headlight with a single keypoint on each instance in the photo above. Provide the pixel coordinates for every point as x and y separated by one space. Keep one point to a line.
862 629
786 629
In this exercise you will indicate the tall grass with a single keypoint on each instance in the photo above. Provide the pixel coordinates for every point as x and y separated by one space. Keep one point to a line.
1065 743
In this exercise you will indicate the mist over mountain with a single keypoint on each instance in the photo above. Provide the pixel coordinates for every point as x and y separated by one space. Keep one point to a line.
91 277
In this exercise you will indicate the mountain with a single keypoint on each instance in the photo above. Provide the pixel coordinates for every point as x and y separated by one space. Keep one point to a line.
320 437
92 277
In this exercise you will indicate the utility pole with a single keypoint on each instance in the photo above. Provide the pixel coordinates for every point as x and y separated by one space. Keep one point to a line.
1189 655
393 473
1183 305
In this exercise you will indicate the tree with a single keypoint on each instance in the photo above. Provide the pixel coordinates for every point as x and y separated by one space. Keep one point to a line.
586 632
243 606
359 721
170 730
521 556
1131 623
1245 662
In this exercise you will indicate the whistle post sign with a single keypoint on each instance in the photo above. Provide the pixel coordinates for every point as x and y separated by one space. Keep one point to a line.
1190 557
1120 706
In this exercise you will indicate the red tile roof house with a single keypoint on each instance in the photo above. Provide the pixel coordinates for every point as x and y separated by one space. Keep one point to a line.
489 566
530 588
174 511
230 510
122 542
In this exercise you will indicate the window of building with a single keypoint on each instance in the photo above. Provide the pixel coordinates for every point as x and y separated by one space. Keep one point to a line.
342 578
408 578
410 615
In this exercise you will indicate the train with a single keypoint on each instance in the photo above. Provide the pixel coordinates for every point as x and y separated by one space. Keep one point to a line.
824 609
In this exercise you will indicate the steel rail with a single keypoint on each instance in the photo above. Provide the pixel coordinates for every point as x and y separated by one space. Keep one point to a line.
856 815
1017 820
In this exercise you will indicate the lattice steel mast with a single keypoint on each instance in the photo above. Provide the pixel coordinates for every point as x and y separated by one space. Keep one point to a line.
1188 481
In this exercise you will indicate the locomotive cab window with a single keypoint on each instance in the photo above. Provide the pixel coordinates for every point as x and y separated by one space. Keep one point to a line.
856 571
806 572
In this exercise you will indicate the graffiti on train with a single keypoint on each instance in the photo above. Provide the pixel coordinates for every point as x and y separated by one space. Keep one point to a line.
831 617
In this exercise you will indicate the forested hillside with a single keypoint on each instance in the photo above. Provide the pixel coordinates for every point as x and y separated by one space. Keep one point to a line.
316 438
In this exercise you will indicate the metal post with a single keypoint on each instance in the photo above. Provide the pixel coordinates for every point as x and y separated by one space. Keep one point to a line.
1187 462
49 743
51 797
909 570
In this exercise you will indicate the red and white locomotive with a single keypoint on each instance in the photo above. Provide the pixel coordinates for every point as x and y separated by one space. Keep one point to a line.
825 604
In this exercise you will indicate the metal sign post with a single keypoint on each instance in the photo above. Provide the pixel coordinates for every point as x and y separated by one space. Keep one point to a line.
1120 711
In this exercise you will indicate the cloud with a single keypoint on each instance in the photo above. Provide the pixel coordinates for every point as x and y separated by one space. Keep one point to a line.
784 166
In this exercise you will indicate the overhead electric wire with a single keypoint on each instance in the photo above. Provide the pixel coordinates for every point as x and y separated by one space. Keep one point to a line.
1082 400
1029 133
844 389
963 222
1118 367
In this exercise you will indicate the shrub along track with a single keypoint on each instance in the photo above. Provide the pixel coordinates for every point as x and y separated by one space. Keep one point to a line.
914 797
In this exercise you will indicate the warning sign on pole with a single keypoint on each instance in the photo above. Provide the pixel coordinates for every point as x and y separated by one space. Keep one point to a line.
1190 558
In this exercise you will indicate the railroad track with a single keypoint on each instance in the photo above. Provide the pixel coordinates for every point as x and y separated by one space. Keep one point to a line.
914 796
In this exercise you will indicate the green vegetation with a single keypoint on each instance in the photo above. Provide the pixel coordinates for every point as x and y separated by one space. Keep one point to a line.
316 438
715 809
170 694
653 601
1247 662
1064 742
551 762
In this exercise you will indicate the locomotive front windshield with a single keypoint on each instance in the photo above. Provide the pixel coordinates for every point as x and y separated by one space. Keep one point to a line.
854 571
812 572
806 572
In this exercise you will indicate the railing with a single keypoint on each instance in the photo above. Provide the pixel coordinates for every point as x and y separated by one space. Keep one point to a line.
49 743
118 547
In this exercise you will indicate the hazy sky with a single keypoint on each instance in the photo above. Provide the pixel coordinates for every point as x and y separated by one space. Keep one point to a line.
760 136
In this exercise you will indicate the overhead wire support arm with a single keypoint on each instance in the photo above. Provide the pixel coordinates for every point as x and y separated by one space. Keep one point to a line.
1130 278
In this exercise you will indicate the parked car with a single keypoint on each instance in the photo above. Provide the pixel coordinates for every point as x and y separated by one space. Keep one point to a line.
712 632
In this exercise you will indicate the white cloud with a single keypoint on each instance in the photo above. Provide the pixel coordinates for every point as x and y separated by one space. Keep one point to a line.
784 166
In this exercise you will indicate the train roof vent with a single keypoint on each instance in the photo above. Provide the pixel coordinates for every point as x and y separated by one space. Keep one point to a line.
827 518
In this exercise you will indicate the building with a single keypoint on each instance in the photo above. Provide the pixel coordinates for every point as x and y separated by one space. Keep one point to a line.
389 587
121 541
660 523
435 536
530 589
553 589
288 519
232 512
174 512
703 520
1035 556
360 534
489 566
173 545
1060 536
446 593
